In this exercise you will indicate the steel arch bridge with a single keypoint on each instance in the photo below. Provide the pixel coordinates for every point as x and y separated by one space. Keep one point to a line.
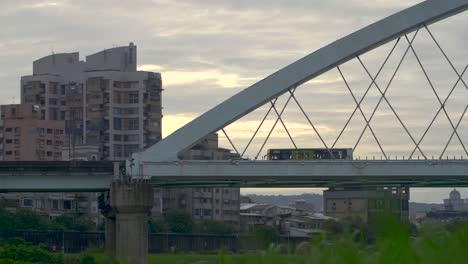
163 165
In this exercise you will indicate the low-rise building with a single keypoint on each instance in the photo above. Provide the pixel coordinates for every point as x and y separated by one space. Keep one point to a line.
287 220
366 203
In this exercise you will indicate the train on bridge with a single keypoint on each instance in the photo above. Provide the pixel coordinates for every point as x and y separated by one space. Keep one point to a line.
310 154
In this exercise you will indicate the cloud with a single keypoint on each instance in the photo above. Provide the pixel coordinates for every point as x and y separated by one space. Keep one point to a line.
223 80
208 50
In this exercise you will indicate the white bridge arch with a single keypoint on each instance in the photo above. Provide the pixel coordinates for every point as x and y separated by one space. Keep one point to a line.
293 75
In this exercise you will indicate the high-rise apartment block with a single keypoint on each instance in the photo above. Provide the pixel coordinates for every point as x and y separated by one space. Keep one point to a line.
105 102
26 137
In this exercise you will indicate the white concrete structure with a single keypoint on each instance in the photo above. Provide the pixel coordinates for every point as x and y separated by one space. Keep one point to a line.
292 76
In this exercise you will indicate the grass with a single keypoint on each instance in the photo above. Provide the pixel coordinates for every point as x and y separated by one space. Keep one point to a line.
393 244
389 243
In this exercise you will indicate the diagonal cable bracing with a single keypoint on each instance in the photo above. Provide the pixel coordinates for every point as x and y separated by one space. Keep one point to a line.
365 93
391 107
453 133
437 95
285 128
438 111
276 122
258 128
446 57
312 125
232 144
385 91
360 110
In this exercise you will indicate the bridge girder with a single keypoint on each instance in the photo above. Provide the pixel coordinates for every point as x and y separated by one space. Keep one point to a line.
324 173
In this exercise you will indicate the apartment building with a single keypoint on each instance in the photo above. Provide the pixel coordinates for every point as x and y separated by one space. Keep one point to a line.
26 137
98 109
104 101
215 204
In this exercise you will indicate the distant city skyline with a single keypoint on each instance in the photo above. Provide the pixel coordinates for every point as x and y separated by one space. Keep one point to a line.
207 51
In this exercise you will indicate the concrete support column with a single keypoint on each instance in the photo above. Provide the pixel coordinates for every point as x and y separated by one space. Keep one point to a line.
110 236
132 201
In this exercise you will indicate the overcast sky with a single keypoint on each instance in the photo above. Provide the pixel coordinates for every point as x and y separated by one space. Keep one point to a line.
208 50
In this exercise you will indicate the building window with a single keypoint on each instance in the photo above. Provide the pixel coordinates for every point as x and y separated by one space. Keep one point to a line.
58 131
49 142
132 111
54 204
206 212
132 124
58 143
49 153
8 152
133 98
17 130
117 137
28 203
117 123
8 141
49 131
17 141
130 138
8 129
67 204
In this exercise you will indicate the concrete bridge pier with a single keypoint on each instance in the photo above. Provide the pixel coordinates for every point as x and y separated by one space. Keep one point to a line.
127 237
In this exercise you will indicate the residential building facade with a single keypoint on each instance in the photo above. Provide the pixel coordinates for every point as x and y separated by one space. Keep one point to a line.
104 101
98 109
26 137
366 203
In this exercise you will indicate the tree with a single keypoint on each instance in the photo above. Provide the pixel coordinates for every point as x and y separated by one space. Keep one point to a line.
266 235
157 226
28 219
178 221
73 221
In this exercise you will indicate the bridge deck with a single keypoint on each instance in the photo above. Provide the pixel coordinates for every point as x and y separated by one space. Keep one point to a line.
97 176
55 176
325 173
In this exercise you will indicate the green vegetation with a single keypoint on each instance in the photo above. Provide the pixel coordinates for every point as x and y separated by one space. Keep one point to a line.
177 221
394 243
23 218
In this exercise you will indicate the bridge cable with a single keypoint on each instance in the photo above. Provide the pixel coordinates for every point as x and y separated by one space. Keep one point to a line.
365 93
229 139
313 127
440 109
274 124
362 112
437 96
451 136
446 57
285 128
385 91
391 107
258 128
